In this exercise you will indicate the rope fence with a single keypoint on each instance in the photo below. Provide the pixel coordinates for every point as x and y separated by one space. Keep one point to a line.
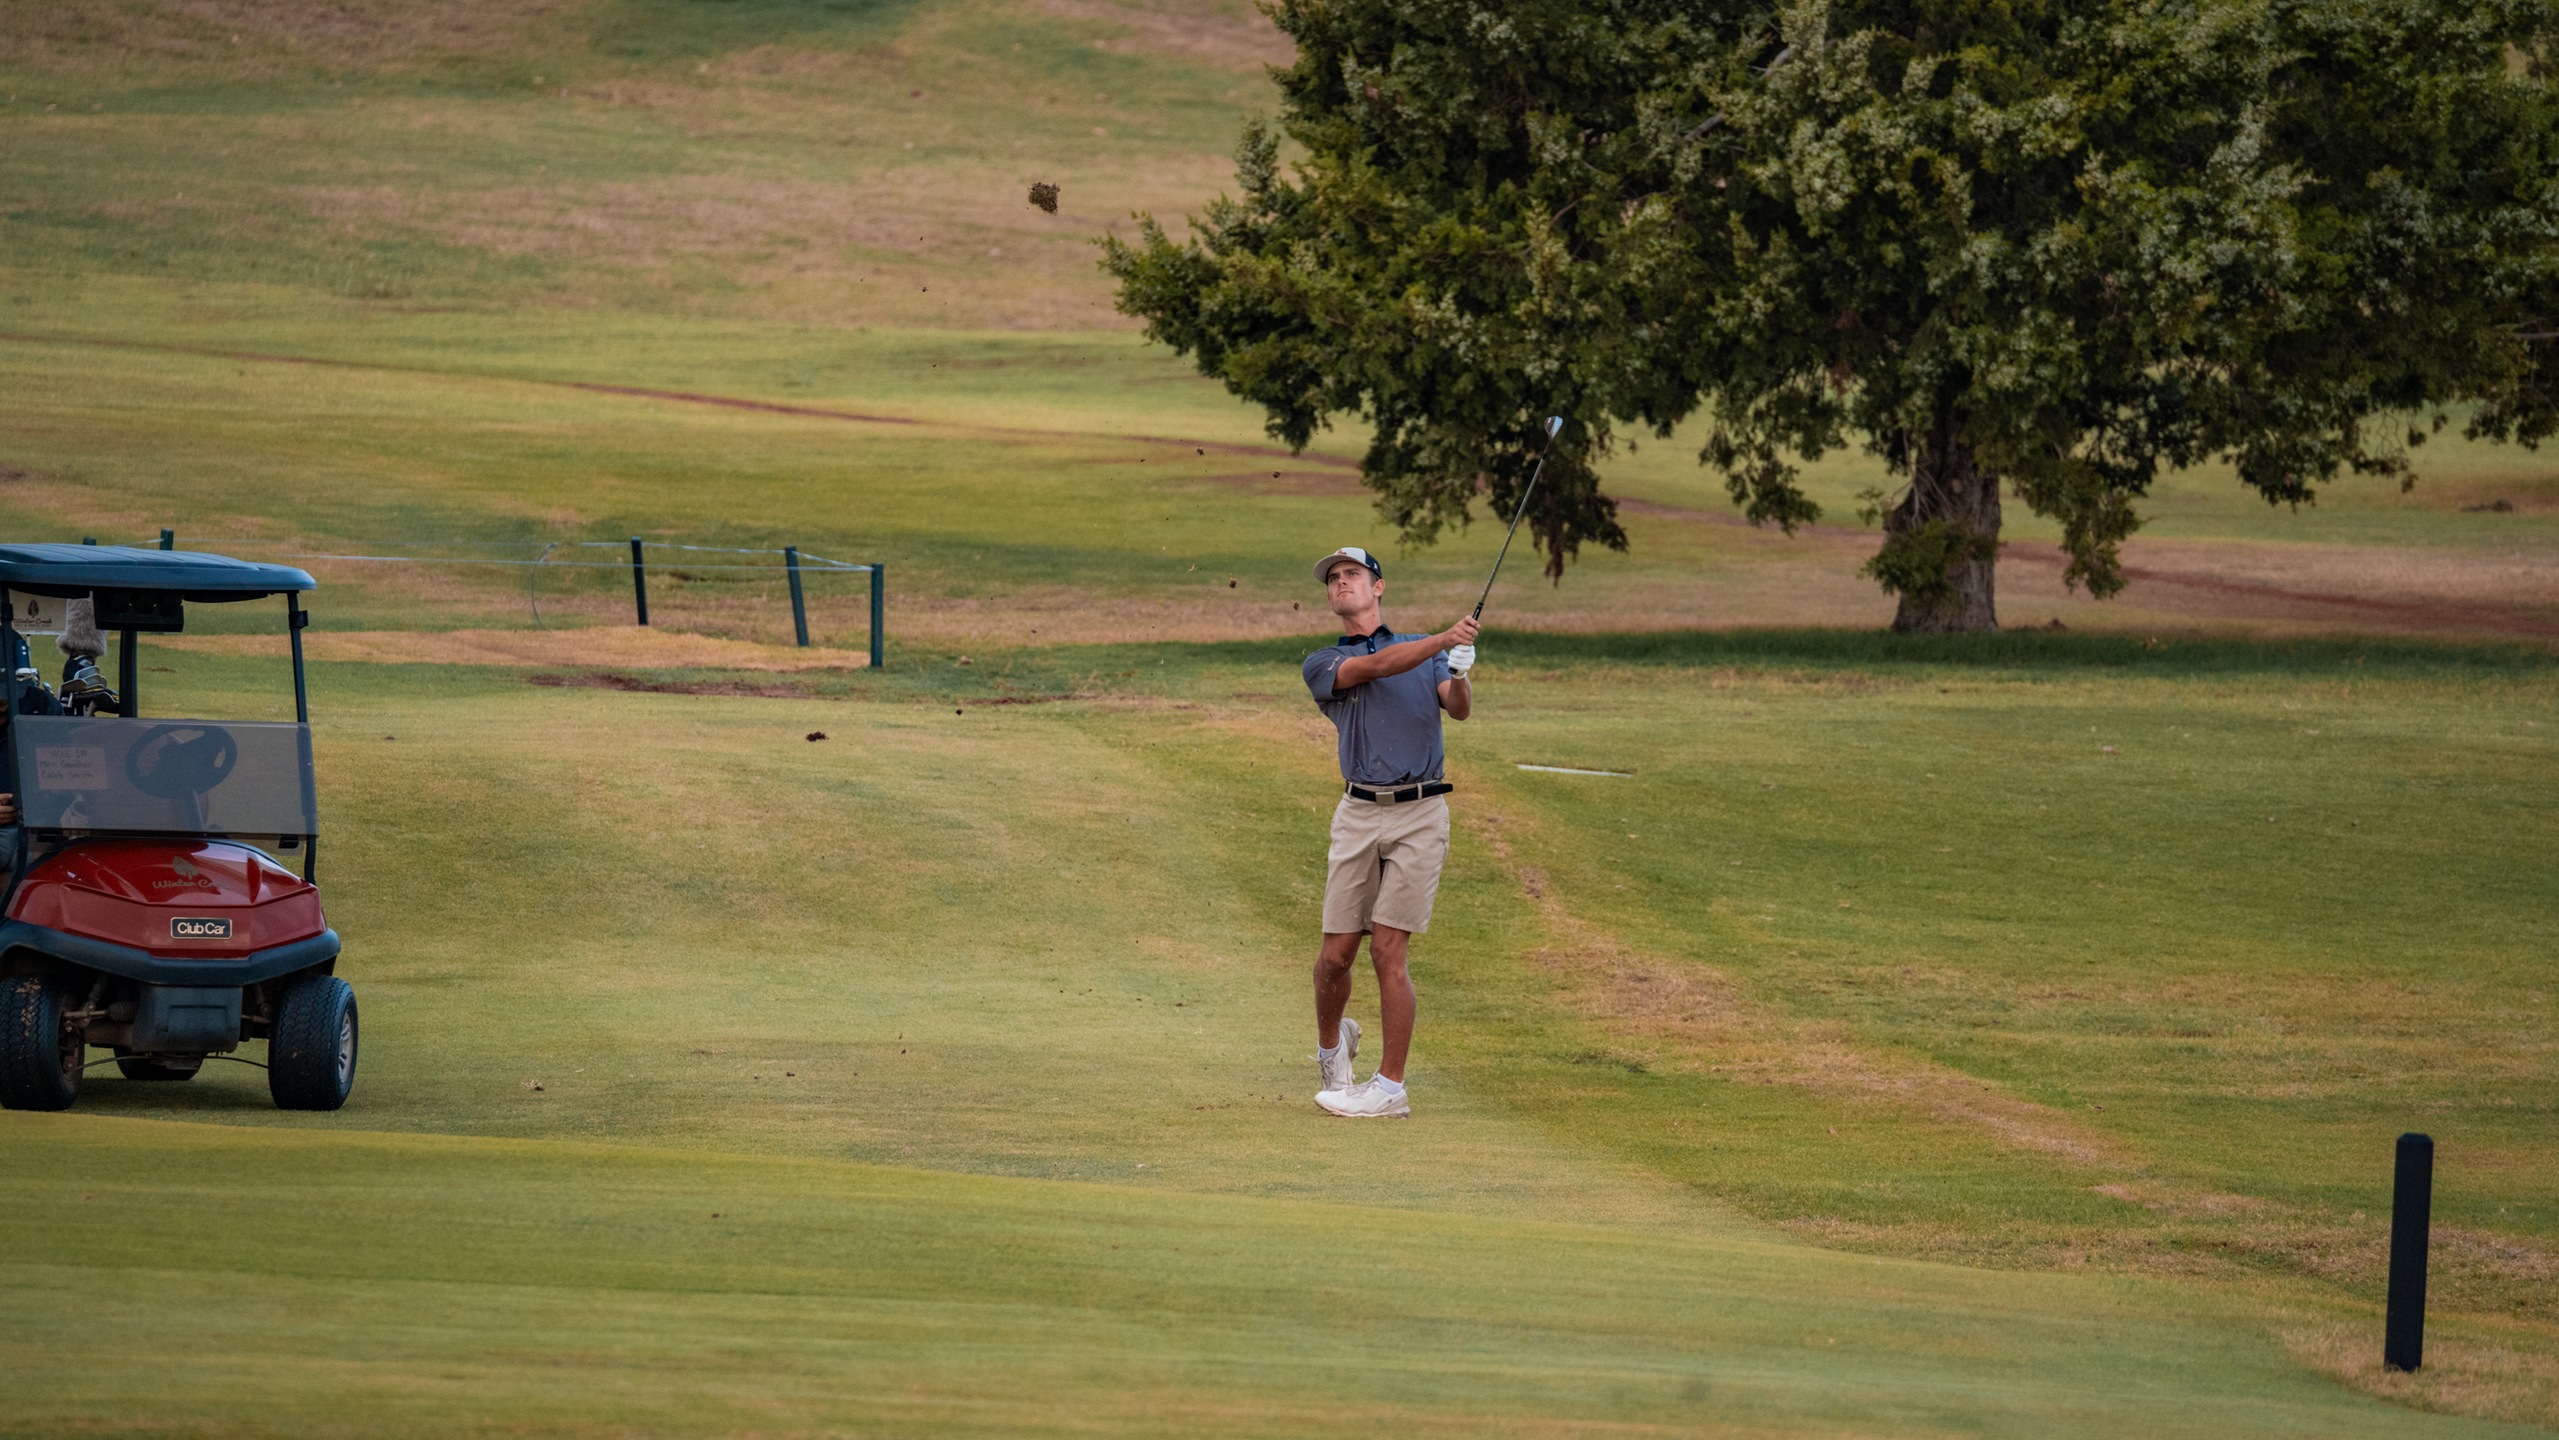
795 563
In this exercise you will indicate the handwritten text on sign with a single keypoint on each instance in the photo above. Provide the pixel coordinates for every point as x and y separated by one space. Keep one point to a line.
71 767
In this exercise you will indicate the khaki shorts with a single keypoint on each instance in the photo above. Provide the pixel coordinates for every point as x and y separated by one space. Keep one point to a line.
1385 864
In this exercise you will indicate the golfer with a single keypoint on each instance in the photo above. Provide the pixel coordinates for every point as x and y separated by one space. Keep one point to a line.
1383 692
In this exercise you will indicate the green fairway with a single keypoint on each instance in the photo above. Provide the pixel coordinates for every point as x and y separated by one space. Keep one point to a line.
1725 995
634 1292
1995 1036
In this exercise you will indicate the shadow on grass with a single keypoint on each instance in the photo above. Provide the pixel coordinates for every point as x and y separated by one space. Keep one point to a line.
2024 652
224 1088
1041 675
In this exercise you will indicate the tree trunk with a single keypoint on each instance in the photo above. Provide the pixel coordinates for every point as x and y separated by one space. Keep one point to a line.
1943 539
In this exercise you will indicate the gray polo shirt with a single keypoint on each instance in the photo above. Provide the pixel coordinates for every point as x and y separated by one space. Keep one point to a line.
1389 726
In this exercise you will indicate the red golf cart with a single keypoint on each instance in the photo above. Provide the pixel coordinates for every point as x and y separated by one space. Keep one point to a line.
152 903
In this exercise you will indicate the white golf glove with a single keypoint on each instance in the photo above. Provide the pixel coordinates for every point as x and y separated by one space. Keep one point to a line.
1461 658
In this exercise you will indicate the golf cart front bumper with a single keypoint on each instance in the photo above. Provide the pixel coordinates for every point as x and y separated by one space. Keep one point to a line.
135 964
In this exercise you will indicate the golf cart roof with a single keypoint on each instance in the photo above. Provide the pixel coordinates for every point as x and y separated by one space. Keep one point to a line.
70 571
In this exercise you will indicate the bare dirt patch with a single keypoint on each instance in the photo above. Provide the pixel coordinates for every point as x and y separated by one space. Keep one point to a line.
1302 480
628 646
609 680
2390 589
1065 615
1061 697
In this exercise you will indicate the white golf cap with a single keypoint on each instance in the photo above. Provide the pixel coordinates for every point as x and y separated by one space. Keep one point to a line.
1324 567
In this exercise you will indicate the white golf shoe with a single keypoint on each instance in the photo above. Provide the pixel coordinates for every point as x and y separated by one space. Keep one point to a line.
1367 1100
1336 1075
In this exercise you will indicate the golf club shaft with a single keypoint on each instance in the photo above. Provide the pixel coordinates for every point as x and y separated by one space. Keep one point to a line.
1514 530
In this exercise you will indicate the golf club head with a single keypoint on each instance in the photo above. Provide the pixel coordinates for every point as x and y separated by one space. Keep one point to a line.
1554 423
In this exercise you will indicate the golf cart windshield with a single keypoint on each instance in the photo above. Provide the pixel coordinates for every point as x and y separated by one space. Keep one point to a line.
177 777
91 758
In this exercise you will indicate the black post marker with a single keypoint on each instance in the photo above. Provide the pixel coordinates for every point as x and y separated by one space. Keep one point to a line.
168 539
639 581
879 614
2403 1332
799 604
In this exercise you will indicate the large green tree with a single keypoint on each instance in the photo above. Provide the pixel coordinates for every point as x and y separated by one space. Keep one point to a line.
2040 248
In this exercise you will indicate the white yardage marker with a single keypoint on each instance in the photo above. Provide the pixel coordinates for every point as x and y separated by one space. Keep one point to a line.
1569 770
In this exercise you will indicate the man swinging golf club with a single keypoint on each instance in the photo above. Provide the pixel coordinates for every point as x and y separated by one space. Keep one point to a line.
1384 693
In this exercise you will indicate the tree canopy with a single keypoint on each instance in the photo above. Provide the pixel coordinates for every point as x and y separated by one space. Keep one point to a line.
2045 248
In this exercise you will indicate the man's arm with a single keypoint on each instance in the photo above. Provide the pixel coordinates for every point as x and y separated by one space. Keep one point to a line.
1457 697
1396 659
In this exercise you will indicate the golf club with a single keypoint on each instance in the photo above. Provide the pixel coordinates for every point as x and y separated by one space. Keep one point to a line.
1554 423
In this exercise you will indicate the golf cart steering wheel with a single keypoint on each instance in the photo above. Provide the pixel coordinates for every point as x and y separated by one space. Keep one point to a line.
176 762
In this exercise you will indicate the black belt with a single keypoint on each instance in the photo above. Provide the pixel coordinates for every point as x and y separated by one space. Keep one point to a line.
1398 797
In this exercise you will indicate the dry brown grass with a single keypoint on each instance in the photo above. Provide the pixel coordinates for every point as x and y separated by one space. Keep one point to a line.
871 183
2401 590
628 646
2495 1297
1758 580
1680 1015
1228 35
257 35
1684 1015
2473 1366
2177 585
953 246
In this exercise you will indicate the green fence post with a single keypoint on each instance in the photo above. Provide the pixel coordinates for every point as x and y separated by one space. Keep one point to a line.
799 602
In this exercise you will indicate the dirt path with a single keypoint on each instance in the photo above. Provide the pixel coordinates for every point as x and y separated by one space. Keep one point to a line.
680 397
2249 584
1809 578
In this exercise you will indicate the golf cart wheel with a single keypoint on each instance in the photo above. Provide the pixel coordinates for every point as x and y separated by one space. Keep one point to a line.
39 1055
311 1059
146 1067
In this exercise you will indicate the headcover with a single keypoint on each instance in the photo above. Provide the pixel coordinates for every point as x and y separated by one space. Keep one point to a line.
80 635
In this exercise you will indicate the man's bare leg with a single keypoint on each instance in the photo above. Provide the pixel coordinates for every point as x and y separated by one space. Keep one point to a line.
1333 985
1394 995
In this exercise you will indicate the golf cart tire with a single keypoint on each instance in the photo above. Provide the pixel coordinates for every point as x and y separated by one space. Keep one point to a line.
311 1057
146 1067
39 1057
